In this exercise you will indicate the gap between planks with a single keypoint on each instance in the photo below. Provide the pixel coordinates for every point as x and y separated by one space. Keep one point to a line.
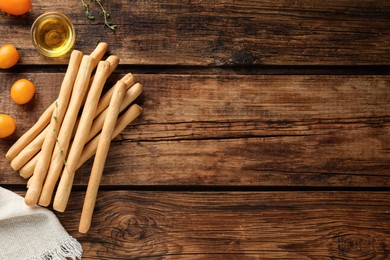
222 70
205 188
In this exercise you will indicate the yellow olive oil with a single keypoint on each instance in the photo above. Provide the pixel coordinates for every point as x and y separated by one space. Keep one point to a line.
53 35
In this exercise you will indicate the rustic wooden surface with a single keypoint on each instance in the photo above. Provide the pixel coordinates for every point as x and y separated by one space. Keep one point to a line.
265 131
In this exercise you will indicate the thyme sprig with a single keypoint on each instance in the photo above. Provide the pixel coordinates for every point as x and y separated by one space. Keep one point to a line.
88 14
106 15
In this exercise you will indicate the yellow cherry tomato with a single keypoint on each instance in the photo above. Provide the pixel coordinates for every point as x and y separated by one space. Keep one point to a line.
7 125
9 56
15 7
22 91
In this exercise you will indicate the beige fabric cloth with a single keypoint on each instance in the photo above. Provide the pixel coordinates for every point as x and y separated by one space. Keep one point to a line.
32 233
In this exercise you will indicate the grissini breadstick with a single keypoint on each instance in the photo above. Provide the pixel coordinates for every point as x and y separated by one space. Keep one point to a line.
98 53
131 94
87 116
28 182
60 200
27 170
35 145
114 62
29 151
45 118
123 121
65 132
40 170
27 137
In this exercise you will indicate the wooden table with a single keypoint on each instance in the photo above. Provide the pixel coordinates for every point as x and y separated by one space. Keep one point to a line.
265 131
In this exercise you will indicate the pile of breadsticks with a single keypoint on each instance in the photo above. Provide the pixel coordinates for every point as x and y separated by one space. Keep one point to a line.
61 141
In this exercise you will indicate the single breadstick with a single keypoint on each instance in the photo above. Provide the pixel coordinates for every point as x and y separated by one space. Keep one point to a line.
131 94
29 151
114 62
98 53
45 118
123 121
65 133
98 163
28 182
35 187
27 170
27 137
80 139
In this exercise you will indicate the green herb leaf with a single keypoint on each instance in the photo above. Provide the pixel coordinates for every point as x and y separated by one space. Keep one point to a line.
103 11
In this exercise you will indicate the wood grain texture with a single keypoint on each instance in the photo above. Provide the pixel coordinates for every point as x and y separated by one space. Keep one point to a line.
222 32
227 225
203 127
240 130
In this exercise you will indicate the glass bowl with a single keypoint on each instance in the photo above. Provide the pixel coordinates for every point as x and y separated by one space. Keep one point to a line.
53 34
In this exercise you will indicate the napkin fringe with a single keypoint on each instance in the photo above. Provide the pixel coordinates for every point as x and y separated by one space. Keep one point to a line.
69 248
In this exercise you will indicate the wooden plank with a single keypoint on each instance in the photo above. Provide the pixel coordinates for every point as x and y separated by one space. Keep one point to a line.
274 161
223 32
216 225
277 100
239 130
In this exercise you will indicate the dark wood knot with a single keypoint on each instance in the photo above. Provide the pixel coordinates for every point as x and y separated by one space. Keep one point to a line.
355 246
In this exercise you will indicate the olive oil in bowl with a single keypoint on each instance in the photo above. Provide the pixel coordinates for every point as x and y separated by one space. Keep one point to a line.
53 34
